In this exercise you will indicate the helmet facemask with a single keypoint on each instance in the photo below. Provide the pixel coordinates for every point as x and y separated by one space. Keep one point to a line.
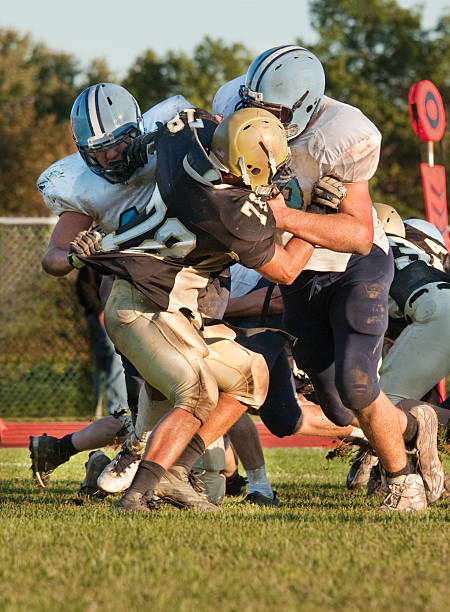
115 172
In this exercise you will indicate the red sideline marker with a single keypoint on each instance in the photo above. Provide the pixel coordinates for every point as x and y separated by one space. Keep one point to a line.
427 114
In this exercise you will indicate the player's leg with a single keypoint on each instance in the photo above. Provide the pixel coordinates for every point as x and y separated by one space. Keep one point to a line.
245 439
352 306
170 354
48 452
358 315
242 378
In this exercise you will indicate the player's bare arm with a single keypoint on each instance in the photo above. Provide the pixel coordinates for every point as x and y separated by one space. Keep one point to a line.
251 304
69 224
350 230
287 262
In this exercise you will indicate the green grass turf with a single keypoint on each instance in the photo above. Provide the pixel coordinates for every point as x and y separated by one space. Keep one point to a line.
324 549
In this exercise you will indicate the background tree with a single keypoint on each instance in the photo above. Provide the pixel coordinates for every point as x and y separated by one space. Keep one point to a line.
372 53
31 136
153 79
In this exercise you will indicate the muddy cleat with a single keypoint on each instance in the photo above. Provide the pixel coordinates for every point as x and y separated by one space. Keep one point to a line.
258 499
181 488
406 493
376 484
359 473
134 501
94 466
119 473
429 465
46 455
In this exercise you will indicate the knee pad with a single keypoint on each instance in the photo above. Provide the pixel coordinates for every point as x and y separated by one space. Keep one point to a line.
357 388
209 467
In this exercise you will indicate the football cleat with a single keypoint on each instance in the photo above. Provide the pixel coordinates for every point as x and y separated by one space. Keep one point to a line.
446 491
181 488
376 484
119 473
405 493
45 455
258 499
359 473
134 501
429 464
94 466
235 485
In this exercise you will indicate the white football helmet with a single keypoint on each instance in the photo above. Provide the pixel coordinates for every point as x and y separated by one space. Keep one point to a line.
288 81
102 116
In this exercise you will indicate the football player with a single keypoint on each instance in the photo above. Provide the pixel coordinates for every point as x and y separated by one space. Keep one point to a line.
416 354
419 296
83 191
191 227
338 305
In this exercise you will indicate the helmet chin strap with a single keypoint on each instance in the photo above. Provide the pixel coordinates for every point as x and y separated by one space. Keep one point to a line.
243 170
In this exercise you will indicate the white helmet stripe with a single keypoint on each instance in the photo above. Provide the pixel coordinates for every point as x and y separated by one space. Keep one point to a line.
97 129
256 76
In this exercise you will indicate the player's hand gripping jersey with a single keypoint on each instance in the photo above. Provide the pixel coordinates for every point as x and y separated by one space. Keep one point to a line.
192 228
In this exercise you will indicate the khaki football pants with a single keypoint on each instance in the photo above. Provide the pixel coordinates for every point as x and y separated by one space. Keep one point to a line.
186 365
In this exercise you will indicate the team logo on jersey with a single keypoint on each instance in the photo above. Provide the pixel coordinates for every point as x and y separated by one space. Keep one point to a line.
291 190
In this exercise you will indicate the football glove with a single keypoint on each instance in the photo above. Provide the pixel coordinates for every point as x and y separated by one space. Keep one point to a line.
85 243
137 151
327 195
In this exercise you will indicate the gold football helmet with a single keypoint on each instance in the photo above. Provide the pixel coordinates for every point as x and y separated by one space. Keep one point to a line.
391 220
252 144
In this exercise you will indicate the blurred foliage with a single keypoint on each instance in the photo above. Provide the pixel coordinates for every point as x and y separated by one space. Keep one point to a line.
45 353
372 53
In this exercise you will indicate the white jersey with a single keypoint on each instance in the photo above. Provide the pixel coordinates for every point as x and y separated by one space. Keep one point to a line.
341 142
69 185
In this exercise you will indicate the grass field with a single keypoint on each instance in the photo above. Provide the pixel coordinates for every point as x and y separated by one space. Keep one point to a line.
324 549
